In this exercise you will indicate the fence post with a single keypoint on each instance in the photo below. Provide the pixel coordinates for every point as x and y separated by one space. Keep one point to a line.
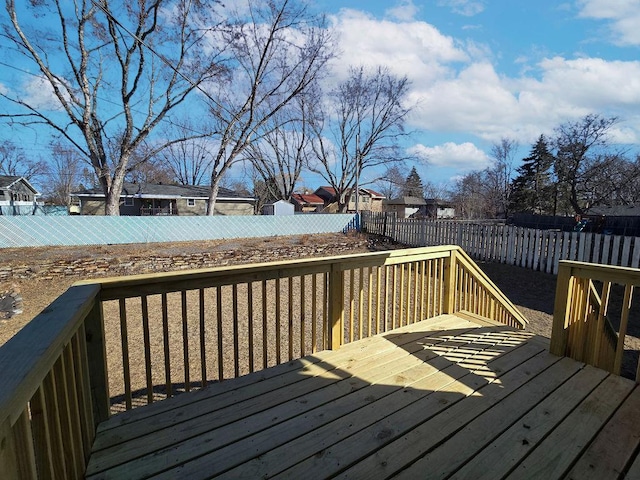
336 307
97 359
450 283
559 330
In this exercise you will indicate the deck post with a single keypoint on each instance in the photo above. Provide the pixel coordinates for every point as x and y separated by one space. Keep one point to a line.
336 307
559 330
450 282
97 359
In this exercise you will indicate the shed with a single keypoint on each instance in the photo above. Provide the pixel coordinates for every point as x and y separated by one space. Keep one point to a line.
281 207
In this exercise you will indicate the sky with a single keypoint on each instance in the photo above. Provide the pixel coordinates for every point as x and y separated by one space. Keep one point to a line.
482 70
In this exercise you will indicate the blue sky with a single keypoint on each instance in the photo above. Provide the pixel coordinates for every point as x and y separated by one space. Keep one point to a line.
486 69
480 70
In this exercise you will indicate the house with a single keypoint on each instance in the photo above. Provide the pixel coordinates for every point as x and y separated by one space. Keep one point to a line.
368 199
281 207
438 209
162 199
17 196
307 202
405 206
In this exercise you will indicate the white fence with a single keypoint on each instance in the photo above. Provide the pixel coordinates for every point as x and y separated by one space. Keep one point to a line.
525 247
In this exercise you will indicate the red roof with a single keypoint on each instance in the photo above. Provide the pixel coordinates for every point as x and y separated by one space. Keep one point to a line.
309 198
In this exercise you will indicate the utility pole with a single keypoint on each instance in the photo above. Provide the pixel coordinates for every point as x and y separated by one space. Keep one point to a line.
357 171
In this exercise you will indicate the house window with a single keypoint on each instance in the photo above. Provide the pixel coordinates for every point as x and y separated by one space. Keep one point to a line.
128 201
191 202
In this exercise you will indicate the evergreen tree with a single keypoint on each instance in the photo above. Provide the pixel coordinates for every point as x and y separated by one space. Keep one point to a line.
413 186
533 189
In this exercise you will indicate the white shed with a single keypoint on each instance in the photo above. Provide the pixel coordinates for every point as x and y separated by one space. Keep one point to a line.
281 207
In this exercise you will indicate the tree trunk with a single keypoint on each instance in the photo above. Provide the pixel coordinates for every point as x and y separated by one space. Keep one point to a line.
213 194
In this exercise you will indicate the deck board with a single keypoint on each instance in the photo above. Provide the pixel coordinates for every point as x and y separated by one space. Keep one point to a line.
446 396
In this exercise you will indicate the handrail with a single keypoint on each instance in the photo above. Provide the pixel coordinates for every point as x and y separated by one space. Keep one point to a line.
581 326
57 376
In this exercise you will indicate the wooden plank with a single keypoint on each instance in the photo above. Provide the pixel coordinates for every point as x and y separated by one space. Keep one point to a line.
265 318
272 460
9 467
392 455
474 444
236 334
615 446
622 331
59 458
289 319
635 260
42 435
615 250
221 437
77 440
556 454
303 299
97 363
250 334
83 390
220 360
201 337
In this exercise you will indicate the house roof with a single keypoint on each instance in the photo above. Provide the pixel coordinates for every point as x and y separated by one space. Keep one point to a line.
332 191
8 181
309 198
438 202
161 190
616 211
408 201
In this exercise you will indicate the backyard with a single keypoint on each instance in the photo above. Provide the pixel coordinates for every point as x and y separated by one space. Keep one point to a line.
39 275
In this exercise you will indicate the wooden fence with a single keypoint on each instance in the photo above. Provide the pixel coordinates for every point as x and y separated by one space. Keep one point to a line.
525 247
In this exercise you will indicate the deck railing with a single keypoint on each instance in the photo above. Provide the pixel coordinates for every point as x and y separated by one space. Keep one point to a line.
582 324
128 341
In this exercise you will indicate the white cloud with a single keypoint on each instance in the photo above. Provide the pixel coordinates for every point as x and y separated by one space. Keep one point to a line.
404 11
468 8
623 15
464 156
415 48
38 93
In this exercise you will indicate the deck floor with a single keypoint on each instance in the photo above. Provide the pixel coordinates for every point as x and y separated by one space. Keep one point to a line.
443 398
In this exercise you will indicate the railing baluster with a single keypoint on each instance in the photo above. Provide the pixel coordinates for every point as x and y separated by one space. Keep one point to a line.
360 303
302 311
351 304
147 347
83 389
378 297
370 302
236 341
277 320
166 344
124 342
290 318
250 324
42 436
203 340
52 418
265 317
624 320
219 330
81 449
23 444
314 312
185 341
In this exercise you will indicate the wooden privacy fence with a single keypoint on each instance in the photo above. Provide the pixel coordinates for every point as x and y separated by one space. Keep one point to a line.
129 341
582 322
525 247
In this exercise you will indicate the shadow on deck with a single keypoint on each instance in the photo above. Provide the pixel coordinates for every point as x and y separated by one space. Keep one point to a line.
442 398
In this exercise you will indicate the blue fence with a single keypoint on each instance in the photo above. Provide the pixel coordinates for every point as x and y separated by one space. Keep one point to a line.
39 231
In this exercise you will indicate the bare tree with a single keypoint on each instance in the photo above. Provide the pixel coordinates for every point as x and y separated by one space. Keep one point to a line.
15 162
578 146
282 152
391 181
278 50
361 128
65 174
498 176
114 70
189 161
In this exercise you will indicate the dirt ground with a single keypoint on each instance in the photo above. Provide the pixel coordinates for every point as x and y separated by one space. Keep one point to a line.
532 292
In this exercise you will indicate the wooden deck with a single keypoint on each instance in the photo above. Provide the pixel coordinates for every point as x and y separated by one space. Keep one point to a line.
443 398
